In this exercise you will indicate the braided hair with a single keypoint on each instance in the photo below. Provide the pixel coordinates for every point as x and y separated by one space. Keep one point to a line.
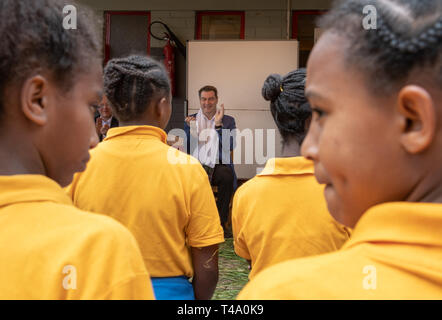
33 39
408 36
132 83
288 104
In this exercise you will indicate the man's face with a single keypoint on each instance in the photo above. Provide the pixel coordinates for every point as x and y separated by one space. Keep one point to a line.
208 102
104 109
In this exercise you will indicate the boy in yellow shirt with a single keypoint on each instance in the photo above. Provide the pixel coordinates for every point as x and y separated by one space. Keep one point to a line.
281 213
136 178
376 141
50 78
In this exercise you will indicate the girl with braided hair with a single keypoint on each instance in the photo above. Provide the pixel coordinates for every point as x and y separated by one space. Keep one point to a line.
281 213
169 207
50 79
376 141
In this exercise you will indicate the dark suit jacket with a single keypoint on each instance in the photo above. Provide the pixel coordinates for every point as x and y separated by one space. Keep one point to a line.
228 123
114 123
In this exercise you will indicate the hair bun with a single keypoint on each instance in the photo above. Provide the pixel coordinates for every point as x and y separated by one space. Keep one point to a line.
272 87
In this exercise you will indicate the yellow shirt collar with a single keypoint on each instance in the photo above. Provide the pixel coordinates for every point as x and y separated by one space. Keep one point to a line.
400 222
30 188
287 166
140 131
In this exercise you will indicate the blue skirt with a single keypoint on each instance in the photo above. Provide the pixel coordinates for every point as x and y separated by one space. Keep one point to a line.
173 288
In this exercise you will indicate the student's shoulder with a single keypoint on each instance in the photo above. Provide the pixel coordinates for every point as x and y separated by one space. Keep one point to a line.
93 226
252 186
182 161
104 249
315 277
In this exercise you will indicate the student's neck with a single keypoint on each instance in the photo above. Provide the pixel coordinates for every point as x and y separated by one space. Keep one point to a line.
291 149
152 123
106 118
429 190
19 158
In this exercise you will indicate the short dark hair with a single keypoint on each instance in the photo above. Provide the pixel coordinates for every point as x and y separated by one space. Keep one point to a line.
33 39
206 89
132 83
288 104
408 36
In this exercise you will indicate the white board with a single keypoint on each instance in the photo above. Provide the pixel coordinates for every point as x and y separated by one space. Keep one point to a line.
238 69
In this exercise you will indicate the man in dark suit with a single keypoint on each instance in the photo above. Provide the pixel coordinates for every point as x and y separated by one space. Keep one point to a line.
219 166
104 120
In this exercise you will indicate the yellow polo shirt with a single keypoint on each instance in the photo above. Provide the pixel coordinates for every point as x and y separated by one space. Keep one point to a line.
281 214
51 250
168 204
395 253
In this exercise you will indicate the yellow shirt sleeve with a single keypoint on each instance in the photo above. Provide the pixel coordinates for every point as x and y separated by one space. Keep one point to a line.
135 288
204 227
108 262
239 242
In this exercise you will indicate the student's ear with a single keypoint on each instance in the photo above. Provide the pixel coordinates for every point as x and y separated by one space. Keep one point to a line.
163 110
34 99
165 107
418 118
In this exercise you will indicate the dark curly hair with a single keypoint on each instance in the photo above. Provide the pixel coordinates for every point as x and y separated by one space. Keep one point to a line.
207 89
288 104
34 40
132 83
408 37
